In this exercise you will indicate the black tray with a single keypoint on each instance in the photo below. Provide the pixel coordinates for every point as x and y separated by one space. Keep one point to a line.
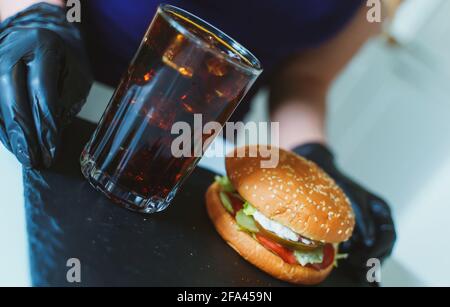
67 218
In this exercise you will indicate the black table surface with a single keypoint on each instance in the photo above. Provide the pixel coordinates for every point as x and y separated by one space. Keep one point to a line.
67 218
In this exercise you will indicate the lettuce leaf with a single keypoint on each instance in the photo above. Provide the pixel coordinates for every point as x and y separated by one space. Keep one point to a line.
246 222
224 183
249 209
226 202
309 257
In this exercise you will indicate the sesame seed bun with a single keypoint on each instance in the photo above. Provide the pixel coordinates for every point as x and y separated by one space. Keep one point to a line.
252 251
296 193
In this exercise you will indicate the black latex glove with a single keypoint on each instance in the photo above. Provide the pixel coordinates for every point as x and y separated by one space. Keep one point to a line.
44 81
374 235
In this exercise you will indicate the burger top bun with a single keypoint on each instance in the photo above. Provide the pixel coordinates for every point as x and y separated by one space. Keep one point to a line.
296 193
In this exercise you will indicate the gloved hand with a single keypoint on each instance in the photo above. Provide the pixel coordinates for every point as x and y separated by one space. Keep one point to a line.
44 81
374 235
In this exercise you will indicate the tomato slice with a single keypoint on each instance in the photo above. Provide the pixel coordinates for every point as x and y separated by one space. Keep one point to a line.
284 253
236 203
288 256
328 258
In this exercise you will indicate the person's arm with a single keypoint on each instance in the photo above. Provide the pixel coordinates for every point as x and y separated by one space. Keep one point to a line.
298 93
298 102
9 8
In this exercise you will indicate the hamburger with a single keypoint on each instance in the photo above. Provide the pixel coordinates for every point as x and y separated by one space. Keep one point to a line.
288 220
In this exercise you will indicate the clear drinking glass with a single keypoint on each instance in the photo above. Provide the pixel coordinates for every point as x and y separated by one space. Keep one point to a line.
183 67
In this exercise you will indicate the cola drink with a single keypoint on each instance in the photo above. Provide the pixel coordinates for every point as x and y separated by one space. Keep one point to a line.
183 67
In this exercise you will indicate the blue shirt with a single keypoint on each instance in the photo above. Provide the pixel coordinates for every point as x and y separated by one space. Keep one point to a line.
270 29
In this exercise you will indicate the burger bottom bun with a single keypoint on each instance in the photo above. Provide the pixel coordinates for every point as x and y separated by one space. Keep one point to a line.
253 251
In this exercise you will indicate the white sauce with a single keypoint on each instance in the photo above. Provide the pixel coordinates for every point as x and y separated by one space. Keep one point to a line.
278 229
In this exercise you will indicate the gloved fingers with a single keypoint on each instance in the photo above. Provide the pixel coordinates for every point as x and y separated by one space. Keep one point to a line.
43 76
386 235
16 115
